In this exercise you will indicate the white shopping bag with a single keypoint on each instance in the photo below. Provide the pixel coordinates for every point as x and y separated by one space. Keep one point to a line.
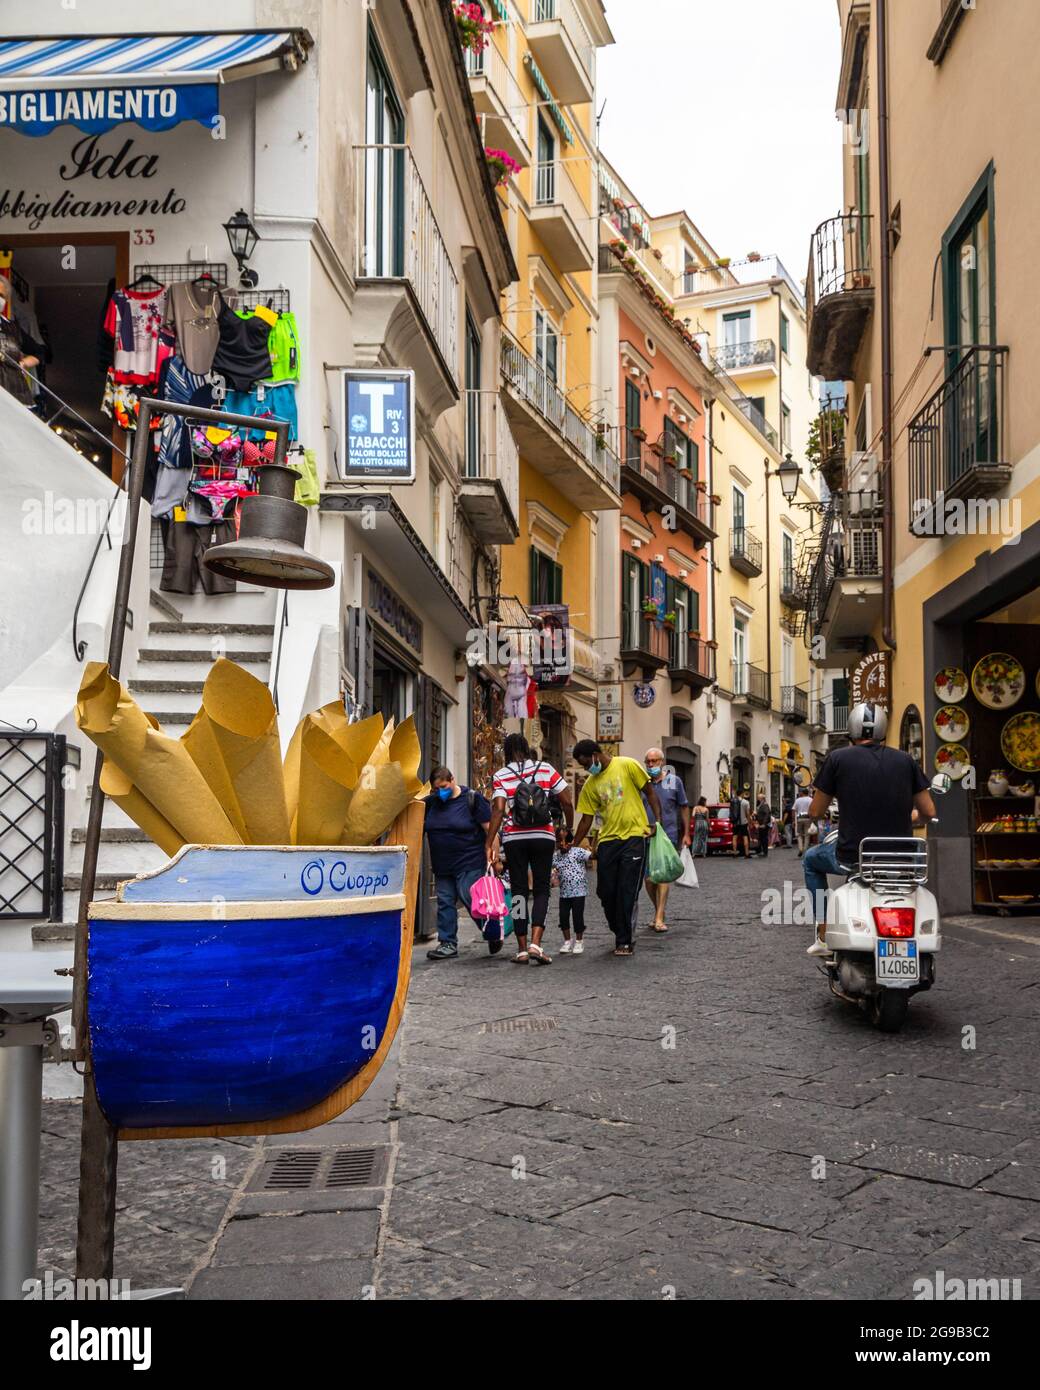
688 878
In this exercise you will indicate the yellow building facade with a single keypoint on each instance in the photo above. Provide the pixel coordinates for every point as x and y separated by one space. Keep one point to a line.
919 301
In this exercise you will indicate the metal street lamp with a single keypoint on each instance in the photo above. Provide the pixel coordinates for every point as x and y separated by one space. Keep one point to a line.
790 475
242 238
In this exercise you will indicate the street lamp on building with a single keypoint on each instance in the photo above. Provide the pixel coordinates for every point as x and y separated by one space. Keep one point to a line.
790 475
242 238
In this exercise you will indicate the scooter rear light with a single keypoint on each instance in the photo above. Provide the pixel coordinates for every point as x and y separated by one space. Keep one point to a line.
894 921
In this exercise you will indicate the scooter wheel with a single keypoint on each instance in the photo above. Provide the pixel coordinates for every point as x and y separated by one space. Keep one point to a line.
888 1010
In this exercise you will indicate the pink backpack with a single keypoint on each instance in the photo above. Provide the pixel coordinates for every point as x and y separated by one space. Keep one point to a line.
487 897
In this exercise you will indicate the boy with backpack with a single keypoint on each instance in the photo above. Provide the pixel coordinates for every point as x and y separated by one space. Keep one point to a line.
521 808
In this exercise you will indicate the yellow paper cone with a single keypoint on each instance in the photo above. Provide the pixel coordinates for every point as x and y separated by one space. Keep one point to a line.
118 787
233 741
159 767
382 794
291 777
327 780
405 750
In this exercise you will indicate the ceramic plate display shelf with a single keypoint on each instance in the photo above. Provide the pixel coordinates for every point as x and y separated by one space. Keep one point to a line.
1020 741
951 684
952 758
951 723
998 681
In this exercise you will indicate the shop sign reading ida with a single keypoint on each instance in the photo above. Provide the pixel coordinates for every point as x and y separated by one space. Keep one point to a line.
88 171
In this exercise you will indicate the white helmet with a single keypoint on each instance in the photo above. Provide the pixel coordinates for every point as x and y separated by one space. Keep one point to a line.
868 721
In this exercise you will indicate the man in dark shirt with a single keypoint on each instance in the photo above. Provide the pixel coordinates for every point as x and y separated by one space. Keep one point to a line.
879 790
456 827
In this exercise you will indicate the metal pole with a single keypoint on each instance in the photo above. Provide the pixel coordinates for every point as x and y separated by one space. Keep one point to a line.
21 1084
95 1241
887 408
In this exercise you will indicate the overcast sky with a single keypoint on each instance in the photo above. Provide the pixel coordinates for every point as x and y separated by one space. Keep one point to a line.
727 111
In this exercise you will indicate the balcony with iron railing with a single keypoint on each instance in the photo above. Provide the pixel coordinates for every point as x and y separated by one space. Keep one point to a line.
489 489
402 259
691 663
655 477
645 643
957 442
580 461
619 255
750 683
839 294
561 217
794 704
563 48
704 279
791 592
744 404
838 720
503 110
844 593
748 356
745 551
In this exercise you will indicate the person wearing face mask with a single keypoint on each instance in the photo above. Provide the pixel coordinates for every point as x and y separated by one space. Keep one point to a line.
456 825
613 791
676 821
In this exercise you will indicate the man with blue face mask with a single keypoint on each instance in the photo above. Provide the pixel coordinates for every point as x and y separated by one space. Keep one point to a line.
456 826
675 817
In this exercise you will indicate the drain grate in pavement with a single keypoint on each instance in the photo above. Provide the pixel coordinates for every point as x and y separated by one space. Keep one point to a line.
519 1025
318 1170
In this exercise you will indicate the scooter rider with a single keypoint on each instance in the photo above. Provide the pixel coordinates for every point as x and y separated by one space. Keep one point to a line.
879 790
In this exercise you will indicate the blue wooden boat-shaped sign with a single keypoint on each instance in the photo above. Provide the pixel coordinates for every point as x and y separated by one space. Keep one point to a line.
250 989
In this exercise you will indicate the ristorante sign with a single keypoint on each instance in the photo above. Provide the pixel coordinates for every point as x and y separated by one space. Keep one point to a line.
89 172
94 110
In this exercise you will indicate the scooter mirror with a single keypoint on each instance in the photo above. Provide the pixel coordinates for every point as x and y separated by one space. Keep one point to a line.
941 783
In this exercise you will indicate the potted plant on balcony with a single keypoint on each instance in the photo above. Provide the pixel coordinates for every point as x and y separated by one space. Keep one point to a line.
723 262
670 458
825 449
716 499
474 29
701 486
502 166
638 433
669 619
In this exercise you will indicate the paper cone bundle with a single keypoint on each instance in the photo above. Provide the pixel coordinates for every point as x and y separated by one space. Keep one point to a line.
233 741
224 781
158 767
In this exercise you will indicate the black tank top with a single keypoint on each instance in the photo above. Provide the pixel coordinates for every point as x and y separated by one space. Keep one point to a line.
242 355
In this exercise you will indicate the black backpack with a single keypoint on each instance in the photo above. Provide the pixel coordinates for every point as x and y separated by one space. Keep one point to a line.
734 810
531 805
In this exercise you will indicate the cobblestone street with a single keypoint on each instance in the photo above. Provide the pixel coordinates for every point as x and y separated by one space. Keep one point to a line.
700 1121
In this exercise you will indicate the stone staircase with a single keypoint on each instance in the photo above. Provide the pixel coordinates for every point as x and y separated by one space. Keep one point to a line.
167 682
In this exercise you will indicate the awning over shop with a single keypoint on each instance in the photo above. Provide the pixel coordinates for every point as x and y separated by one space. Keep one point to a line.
154 80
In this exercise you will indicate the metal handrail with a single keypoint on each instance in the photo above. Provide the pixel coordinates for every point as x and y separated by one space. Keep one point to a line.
839 258
279 641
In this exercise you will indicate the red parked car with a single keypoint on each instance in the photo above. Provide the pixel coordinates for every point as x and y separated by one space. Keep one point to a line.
720 830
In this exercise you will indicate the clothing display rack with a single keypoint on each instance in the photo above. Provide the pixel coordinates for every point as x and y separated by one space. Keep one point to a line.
277 300
167 274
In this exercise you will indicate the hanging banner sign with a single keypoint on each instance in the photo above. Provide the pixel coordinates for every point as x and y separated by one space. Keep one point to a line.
97 109
872 680
610 712
552 645
378 427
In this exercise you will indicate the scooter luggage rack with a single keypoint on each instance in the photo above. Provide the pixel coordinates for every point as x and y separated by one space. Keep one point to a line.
900 865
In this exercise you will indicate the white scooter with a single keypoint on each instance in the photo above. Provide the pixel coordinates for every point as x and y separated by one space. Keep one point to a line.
883 928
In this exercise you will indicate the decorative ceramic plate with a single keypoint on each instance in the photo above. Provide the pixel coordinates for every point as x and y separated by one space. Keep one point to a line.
1020 741
998 681
951 723
954 759
951 684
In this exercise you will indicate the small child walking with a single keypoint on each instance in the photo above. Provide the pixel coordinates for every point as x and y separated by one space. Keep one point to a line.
570 872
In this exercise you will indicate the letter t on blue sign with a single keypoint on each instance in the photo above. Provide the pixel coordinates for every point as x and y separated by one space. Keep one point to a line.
378 426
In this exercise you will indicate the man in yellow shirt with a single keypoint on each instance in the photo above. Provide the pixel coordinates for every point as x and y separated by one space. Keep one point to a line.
613 791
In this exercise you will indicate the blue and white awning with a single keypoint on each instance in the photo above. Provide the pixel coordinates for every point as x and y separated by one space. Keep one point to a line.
154 80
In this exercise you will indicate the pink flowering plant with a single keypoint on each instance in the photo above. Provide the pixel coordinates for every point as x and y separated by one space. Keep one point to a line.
502 166
474 28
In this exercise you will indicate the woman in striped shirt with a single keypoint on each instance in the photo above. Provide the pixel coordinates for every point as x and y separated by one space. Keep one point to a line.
528 848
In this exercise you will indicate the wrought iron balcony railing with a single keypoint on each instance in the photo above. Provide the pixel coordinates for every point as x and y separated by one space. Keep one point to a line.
956 442
669 479
532 383
838 294
744 404
745 551
750 683
398 239
760 352
794 704
692 656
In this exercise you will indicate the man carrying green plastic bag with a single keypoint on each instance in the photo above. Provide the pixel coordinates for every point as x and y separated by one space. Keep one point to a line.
663 864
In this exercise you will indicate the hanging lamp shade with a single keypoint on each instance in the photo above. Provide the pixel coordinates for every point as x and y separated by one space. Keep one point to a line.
270 550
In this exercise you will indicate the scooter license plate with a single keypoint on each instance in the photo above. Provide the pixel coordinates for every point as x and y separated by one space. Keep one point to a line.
897 963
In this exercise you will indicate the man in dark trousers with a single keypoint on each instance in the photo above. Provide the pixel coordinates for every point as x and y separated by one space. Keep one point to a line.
456 825
763 824
613 791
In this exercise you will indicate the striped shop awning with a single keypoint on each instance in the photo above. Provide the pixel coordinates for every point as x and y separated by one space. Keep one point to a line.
154 80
